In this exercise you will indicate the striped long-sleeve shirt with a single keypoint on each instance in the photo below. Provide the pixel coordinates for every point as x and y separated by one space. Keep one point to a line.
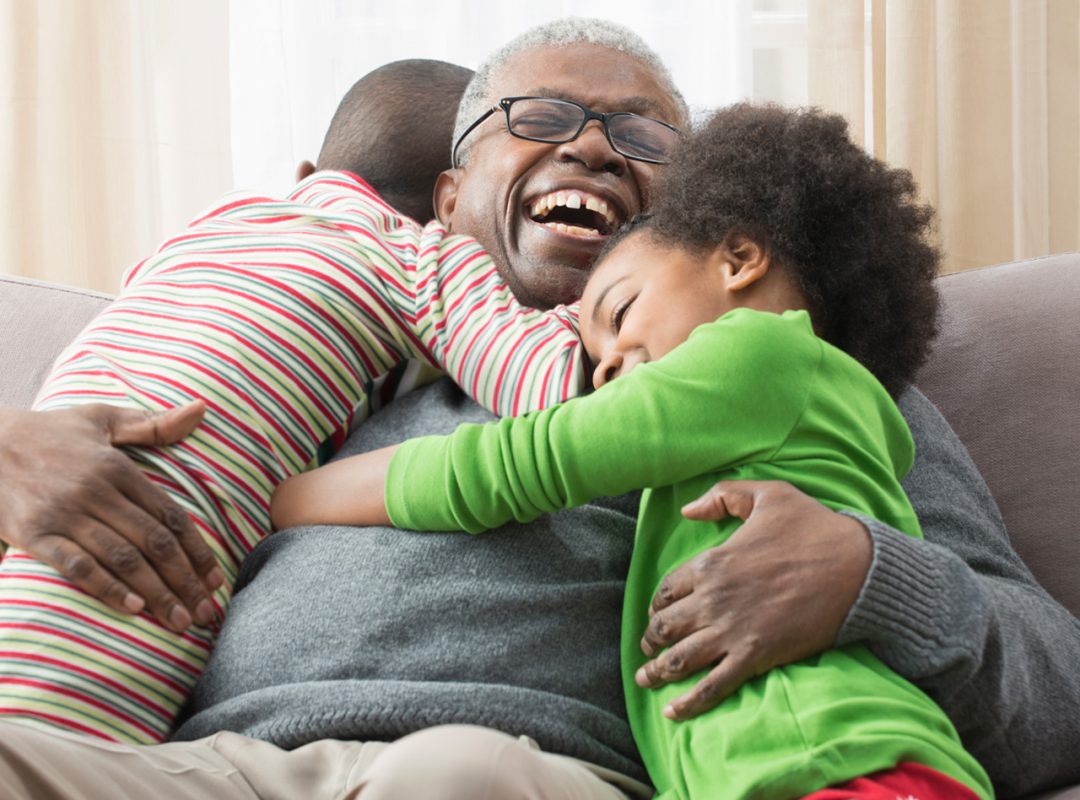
290 318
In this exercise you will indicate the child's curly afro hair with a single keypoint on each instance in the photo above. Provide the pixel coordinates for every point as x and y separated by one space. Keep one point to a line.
846 226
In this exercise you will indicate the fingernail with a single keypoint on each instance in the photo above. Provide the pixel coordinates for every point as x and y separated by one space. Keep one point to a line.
641 679
179 618
646 648
134 603
214 578
669 711
204 612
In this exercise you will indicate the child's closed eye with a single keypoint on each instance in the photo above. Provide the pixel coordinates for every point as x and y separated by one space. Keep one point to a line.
618 313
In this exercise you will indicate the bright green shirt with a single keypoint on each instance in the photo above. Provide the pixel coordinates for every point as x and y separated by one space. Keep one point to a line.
751 396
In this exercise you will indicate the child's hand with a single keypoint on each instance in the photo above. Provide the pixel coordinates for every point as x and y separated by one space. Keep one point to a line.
776 592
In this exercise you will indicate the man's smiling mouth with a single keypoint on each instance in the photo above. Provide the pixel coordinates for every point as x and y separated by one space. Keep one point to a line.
574 212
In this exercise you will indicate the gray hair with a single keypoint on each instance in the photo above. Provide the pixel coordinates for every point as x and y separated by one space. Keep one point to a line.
560 33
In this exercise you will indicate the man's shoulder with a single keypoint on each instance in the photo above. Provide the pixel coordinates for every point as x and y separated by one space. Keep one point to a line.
923 417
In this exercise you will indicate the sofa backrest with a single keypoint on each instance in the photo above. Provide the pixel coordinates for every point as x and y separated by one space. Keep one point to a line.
1005 372
36 321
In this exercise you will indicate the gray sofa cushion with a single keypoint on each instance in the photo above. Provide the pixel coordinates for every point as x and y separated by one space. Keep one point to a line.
36 321
1005 372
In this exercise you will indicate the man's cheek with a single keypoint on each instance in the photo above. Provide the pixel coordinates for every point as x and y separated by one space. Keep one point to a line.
645 176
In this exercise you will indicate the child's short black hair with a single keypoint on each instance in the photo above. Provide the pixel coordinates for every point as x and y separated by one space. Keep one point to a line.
846 226
393 129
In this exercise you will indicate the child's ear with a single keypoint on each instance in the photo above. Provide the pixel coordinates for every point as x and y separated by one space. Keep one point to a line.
445 197
744 260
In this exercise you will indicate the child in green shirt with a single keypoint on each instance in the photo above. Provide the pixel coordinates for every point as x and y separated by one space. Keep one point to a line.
762 315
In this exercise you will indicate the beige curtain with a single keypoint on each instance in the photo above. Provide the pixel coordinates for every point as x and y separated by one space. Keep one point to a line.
114 130
980 99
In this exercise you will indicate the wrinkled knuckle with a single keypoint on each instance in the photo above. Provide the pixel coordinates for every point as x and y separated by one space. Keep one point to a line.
175 518
75 566
114 593
676 664
123 559
191 587
707 691
717 600
109 467
721 621
46 521
157 434
102 538
652 671
55 554
660 628
204 560
85 484
705 563
48 518
665 593
752 642
161 543
104 459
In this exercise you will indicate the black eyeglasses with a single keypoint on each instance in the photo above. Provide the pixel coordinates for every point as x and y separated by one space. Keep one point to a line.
547 119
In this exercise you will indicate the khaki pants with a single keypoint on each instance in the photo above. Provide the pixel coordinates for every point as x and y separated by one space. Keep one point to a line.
447 762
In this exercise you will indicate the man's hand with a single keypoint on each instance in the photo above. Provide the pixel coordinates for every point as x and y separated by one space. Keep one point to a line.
776 592
72 500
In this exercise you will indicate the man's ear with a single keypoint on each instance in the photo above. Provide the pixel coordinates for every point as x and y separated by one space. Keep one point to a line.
445 197
304 170
744 261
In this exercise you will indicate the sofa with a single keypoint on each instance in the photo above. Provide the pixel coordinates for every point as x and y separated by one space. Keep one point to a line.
1005 371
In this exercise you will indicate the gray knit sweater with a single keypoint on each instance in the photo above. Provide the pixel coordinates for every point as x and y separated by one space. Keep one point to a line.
373 633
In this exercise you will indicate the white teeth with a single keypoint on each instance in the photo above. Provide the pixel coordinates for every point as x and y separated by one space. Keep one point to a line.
542 205
572 230
600 207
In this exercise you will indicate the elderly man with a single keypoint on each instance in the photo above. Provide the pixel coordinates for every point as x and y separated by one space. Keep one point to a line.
493 668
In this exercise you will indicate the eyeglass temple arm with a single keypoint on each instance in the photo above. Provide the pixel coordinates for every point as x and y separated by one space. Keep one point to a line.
467 131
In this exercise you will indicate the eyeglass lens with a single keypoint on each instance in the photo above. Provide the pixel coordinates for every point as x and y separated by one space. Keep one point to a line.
551 120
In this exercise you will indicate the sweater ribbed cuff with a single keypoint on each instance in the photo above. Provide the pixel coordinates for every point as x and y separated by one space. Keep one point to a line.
899 611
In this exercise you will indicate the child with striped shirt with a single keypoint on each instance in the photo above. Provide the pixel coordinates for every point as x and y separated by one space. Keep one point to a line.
291 319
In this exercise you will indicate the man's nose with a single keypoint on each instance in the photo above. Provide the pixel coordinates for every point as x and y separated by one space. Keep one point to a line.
593 149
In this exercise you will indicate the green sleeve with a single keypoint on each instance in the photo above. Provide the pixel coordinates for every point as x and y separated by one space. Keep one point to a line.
730 394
